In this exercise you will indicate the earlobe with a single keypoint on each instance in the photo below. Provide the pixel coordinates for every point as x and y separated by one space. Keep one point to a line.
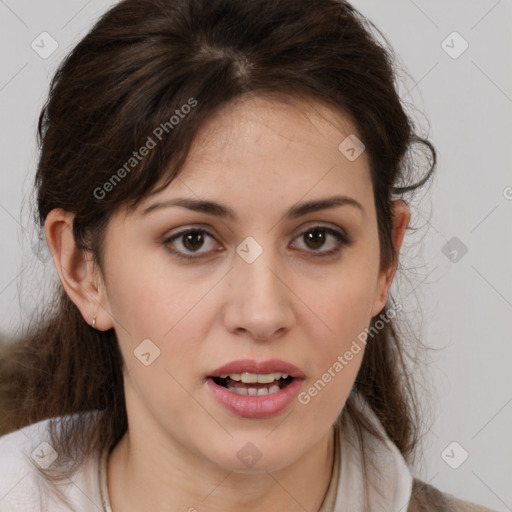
76 269
401 217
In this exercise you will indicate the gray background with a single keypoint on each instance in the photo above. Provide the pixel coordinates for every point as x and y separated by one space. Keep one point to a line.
457 302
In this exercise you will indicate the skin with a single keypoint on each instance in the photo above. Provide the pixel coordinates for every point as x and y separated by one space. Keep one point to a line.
259 157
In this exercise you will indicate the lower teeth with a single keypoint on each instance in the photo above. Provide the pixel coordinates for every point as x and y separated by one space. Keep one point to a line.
255 391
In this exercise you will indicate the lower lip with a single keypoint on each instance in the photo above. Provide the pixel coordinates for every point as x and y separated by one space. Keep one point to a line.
256 406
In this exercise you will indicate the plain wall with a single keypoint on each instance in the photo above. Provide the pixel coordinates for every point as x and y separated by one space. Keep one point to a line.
459 302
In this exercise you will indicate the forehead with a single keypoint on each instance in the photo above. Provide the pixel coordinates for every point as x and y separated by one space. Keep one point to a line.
262 152
269 127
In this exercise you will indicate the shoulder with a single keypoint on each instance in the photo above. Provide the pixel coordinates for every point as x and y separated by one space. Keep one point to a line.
426 498
17 475
24 453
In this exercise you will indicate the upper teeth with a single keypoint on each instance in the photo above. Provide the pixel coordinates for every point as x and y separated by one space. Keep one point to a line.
251 378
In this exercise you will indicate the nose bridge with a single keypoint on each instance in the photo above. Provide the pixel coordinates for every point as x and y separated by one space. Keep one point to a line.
259 279
256 271
260 301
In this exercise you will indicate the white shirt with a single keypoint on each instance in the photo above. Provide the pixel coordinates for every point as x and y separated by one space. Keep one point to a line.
22 489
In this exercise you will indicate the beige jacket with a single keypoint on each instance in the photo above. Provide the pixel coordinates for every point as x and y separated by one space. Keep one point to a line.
425 498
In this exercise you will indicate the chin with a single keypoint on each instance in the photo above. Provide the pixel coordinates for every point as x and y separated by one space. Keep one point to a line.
259 455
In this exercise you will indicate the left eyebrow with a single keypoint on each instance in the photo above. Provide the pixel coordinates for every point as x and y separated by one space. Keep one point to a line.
222 211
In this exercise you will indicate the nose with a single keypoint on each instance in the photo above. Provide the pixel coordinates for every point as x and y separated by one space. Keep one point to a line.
259 303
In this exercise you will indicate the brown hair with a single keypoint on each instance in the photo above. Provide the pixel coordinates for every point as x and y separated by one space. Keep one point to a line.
141 61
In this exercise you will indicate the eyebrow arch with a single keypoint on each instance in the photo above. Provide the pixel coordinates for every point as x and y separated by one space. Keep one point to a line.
219 210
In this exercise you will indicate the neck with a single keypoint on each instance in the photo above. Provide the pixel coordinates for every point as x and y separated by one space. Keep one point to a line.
141 478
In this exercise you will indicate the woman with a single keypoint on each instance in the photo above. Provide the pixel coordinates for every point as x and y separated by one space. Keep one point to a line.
218 188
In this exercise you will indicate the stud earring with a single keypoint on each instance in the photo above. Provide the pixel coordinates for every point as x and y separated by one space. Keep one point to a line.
94 323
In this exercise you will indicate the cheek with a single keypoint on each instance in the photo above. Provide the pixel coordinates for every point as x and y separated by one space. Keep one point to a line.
344 299
339 347
150 299
148 302
339 344
147 295
343 302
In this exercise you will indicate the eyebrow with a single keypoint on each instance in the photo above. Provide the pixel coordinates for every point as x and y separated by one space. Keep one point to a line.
222 211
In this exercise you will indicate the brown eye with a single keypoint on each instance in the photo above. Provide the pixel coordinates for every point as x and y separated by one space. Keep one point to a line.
187 243
193 241
318 236
315 238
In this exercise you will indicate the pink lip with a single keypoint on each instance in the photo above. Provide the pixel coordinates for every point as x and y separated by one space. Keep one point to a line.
252 366
256 406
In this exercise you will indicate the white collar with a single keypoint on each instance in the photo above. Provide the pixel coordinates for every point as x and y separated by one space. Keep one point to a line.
388 476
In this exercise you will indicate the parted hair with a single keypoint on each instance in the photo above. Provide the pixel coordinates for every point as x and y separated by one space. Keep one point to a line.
142 60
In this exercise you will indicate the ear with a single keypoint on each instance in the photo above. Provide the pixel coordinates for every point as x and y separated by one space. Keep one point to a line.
401 218
79 276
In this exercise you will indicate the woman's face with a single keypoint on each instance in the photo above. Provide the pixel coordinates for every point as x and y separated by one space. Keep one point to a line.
259 284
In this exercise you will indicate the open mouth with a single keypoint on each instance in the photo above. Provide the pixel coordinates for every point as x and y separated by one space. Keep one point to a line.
254 385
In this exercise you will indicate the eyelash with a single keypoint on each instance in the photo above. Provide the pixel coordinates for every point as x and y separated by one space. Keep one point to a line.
342 239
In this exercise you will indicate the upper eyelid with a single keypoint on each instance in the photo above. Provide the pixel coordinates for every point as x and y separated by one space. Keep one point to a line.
309 225
184 231
193 228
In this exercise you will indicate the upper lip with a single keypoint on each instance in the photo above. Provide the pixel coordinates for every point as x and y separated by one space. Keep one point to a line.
252 366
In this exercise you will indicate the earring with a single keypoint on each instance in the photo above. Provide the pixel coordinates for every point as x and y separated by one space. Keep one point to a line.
94 323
